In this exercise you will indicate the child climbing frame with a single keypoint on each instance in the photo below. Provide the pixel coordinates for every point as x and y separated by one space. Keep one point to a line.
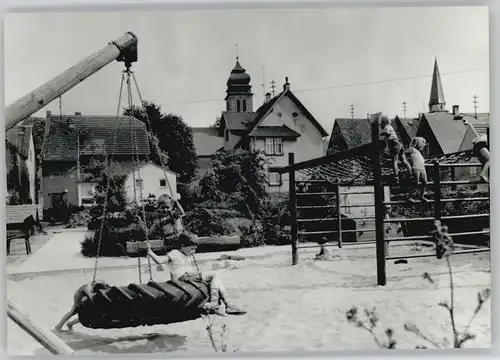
315 192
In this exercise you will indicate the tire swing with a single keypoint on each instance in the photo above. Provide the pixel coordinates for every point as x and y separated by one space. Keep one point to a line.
111 307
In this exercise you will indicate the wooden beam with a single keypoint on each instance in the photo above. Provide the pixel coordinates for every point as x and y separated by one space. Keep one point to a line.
379 203
47 339
46 93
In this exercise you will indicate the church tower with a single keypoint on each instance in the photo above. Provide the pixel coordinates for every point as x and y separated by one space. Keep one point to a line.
239 96
436 101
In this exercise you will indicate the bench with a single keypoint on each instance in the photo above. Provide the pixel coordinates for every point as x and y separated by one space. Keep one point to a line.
22 231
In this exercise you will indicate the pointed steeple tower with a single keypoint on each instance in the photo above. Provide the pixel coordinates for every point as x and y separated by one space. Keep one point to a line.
436 101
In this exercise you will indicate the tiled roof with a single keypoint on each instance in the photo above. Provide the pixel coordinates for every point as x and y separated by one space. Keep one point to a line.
19 137
96 135
278 131
482 118
238 121
206 141
356 132
410 126
448 131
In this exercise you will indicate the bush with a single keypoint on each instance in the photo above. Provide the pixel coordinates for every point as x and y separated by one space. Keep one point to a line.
79 219
251 235
275 217
208 220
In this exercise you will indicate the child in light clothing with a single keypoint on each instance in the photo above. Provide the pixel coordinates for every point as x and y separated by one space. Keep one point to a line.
183 268
82 293
394 146
418 167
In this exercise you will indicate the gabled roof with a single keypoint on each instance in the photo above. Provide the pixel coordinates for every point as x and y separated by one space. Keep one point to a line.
276 131
448 131
93 135
410 126
356 132
206 141
267 107
483 118
19 138
238 121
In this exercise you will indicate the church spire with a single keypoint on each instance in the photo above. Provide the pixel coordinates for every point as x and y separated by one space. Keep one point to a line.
436 101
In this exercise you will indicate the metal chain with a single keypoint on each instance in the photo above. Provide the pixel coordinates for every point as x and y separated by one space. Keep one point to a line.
137 166
157 148
108 181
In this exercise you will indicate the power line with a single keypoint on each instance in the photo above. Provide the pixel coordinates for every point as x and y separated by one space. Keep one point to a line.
327 87
342 86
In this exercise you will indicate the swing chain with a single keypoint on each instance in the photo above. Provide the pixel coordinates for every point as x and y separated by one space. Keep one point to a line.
107 164
136 161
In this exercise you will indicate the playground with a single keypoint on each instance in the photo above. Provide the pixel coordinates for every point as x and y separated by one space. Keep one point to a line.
299 308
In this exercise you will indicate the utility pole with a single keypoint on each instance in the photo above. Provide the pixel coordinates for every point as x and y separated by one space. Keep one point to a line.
273 87
404 109
263 83
475 101
352 111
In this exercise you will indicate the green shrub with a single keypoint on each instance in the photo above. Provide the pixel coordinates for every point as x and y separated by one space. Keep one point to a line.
251 236
79 219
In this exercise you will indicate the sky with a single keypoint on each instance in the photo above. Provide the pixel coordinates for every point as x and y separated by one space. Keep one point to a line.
374 59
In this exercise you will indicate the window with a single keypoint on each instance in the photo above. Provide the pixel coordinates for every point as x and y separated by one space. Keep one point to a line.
226 135
244 105
274 179
57 199
138 182
238 106
87 201
163 183
274 146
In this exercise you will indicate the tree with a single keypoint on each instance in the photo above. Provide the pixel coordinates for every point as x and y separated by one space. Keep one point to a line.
216 124
239 178
174 137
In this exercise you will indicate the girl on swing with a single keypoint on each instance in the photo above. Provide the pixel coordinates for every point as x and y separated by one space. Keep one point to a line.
181 260
183 267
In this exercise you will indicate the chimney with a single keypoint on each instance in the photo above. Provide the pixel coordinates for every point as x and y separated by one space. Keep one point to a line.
286 86
455 109
77 113
268 97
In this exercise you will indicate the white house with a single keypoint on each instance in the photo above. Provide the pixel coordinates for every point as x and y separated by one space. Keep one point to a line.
281 125
155 181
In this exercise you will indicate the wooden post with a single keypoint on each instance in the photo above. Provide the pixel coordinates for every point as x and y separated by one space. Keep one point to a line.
339 214
47 339
379 199
293 210
45 94
437 191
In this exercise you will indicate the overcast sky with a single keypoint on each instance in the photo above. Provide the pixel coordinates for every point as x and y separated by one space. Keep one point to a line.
372 58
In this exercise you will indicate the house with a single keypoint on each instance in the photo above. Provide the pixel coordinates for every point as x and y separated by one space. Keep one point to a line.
21 164
73 144
279 126
207 142
154 181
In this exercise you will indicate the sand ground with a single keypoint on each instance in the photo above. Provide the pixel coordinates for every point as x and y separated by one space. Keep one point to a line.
289 308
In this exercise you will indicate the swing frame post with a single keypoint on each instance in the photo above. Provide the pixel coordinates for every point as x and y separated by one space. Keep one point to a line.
47 339
293 209
339 214
379 199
